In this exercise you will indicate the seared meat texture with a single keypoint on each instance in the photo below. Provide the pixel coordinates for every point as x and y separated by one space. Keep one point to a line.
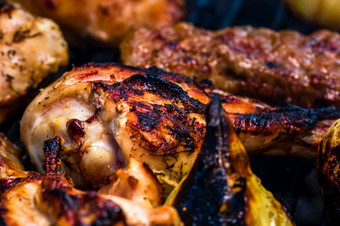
30 49
275 67
328 166
106 21
52 200
107 113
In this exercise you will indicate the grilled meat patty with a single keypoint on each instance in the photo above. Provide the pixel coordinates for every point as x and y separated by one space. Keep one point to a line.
106 21
275 67
107 113
30 49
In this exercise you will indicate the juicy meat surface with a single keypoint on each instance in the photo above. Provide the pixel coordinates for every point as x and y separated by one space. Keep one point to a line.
30 49
107 21
10 165
29 198
275 67
109 113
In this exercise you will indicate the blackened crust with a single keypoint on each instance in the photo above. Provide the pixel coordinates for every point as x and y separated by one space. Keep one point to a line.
154 84
207 184
290 117
152 124
53 154
6 184
5 7
79 208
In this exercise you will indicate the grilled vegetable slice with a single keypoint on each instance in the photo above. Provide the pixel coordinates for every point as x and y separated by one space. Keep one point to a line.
221 188
328 165
323 12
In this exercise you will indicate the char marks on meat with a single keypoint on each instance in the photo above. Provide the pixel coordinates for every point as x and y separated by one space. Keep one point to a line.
275 67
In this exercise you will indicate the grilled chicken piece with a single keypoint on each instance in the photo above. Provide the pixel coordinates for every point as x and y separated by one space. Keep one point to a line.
221 189
107 113
51 200
275 67
328 166
137 183
31 48
107 21
10 165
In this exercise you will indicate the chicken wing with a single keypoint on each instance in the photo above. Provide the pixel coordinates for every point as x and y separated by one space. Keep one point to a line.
107 21
31 48
275 67
107 113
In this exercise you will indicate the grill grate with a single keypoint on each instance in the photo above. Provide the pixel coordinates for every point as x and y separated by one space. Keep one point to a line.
259 13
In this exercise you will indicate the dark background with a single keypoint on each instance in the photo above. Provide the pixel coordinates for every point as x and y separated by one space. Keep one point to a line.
292 181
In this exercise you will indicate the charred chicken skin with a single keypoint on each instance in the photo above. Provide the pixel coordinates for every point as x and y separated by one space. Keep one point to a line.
106 21
29 198
31 49
274 67
109 113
